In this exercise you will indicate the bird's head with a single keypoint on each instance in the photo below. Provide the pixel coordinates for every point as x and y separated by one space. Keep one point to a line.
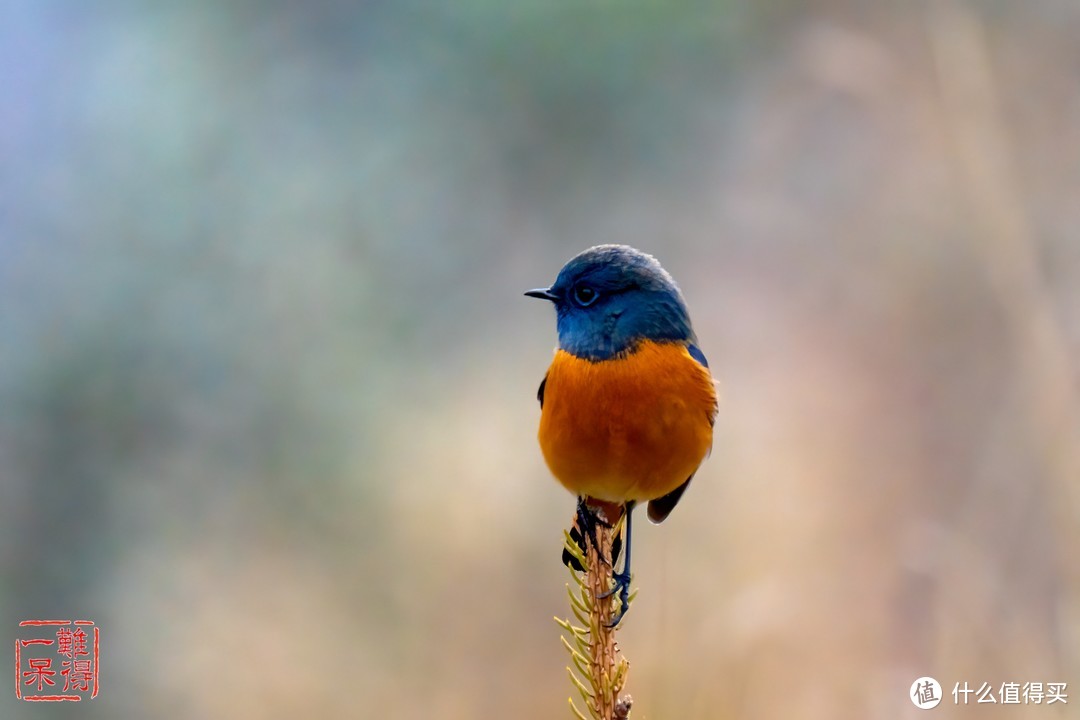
611 297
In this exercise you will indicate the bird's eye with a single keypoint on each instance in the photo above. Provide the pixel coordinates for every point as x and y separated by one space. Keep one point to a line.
584 295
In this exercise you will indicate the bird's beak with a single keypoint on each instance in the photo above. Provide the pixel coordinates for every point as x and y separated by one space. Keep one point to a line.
543 294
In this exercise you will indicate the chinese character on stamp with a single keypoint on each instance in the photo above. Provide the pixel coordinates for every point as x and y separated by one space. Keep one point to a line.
57 660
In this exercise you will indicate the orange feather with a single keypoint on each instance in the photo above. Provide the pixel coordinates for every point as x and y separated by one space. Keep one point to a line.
634 427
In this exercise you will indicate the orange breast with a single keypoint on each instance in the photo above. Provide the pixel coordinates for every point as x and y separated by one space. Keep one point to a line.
631 428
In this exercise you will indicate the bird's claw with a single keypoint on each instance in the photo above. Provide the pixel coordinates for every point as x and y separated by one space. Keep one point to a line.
621 585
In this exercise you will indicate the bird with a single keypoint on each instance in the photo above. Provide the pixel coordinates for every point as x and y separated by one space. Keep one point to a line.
628 404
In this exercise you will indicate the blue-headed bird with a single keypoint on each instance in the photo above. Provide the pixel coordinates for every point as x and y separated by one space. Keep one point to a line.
628 404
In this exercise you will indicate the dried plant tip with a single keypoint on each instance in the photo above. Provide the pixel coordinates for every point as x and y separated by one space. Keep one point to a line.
596 657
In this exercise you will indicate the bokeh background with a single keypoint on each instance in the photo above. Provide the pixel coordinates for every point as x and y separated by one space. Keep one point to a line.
267 378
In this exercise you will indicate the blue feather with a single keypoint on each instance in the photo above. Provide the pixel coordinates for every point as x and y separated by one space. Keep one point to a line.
695 352
628 297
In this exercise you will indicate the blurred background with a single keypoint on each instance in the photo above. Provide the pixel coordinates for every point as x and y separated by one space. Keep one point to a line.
267 378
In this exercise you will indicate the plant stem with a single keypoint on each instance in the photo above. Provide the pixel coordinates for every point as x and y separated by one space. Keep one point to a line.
603 647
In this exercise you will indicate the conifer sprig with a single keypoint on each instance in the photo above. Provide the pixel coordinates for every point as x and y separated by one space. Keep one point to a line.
598 671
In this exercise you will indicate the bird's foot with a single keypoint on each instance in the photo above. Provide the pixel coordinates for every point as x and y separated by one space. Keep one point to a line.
620 584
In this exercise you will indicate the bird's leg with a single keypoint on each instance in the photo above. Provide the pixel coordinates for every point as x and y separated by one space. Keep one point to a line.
583 530
587 520
621 581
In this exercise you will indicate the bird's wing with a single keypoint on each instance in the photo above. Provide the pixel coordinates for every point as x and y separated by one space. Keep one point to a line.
695 352
662 506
